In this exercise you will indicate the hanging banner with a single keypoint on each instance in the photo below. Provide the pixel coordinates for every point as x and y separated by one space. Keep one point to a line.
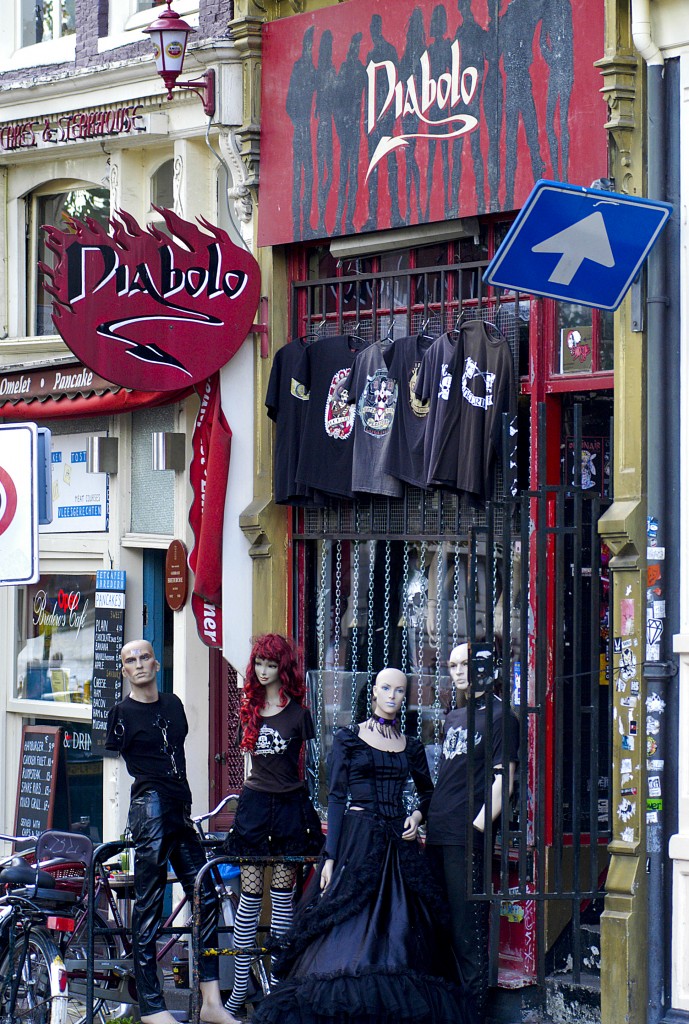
147 310
404 112
108 640
208 476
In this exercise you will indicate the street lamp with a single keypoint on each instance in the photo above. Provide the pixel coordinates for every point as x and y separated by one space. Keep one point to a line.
169 35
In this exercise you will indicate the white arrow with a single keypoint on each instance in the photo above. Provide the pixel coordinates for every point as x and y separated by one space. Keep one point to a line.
585 240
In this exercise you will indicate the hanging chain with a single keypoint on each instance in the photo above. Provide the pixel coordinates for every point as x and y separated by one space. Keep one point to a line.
419 643
336 636
386 607
437 710
455 615
355 617
405 620
320 640
369 624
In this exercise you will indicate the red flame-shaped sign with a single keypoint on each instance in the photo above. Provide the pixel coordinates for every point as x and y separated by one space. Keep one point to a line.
145 311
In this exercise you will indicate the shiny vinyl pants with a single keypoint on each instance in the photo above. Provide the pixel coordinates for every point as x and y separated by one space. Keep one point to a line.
162 831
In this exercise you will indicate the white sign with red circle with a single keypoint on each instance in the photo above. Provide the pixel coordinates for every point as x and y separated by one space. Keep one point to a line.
18 504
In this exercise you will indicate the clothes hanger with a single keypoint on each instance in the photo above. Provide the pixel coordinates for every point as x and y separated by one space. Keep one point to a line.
355 337
423 333
314 334
472 318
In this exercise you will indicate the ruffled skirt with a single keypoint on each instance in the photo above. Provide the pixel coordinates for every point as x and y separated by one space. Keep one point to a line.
374 948
274 824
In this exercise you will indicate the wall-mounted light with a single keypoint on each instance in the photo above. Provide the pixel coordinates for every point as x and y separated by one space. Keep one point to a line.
101 454
169 450
169 35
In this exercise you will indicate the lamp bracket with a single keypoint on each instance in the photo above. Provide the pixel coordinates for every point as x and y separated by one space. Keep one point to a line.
204 88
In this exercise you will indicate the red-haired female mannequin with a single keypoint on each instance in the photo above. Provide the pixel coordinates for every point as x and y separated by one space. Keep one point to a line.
274 814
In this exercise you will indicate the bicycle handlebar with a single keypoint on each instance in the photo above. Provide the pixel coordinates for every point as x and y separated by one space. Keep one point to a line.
198 818
18 839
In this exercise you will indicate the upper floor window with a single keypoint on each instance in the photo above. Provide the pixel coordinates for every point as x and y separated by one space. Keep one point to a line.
53 209
45 20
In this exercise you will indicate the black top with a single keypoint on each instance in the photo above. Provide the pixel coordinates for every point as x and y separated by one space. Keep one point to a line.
373 780
449 811
150 738
405 454
433 387
286 402
325 457
482 389
275 759
374 393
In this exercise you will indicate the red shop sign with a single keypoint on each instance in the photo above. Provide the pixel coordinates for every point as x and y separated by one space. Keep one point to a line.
144 311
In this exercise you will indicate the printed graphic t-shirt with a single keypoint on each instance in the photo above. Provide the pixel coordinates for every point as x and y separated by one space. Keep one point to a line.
405 457
150 738
275 759
286 402
373 393
326 450
449 811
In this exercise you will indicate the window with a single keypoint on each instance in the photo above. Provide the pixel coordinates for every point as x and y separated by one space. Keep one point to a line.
55 636
162 186
45 20
52 209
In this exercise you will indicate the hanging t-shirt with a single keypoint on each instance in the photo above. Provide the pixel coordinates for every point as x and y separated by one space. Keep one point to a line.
326 449
482 389
286 402
449 811
150 737
405 452
373 393
433 386
275 758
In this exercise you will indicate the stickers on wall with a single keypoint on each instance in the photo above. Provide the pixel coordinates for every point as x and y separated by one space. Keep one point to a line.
627 835
654 788
652 726
626 810
655 705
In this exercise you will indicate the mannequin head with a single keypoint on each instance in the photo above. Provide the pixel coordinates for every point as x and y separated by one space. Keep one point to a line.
273 649
139 667
389 691
458 665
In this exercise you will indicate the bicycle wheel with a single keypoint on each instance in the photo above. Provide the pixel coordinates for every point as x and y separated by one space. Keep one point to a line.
107 946
42 993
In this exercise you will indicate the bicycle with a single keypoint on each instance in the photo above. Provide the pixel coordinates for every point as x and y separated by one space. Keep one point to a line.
33 978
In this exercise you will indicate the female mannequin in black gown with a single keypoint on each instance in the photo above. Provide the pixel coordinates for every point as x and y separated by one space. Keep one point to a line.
369 944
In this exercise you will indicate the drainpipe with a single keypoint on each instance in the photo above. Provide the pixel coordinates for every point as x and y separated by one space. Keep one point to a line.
659 416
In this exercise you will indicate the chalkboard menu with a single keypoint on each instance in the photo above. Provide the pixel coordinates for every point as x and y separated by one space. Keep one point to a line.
39 766
106 683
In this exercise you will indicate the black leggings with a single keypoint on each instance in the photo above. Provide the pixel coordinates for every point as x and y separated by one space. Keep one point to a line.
161 831
468 923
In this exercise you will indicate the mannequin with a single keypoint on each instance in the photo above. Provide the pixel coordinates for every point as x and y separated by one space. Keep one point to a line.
448 819
368 945
148 729
274 814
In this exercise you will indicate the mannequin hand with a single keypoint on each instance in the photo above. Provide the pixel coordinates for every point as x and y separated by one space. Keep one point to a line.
327 873
411 825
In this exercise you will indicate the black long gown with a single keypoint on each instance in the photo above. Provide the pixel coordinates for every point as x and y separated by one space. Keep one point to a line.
374 947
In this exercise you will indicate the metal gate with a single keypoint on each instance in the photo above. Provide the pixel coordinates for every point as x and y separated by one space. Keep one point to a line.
400 582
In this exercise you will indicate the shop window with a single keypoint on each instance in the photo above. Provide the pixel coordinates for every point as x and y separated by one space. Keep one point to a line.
55 636
53 209
582 340
45 20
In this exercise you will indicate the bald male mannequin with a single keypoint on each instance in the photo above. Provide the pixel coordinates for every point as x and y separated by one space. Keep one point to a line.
148 729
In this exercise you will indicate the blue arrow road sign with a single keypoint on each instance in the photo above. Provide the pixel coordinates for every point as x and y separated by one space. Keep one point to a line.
577 244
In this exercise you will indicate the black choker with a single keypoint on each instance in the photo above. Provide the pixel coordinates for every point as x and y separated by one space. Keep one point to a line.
388 727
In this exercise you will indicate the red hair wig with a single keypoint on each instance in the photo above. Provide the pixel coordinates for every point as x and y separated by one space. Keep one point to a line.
272 647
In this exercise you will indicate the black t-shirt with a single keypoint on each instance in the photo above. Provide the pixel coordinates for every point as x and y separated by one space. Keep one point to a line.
325 456
286 402
275 759
374 394
482 389
405 453
449 811
150 738
433 386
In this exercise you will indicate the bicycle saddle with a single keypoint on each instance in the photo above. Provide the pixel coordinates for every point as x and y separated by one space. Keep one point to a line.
17 872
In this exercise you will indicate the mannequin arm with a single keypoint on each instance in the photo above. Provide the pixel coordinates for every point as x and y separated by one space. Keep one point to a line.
495 797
